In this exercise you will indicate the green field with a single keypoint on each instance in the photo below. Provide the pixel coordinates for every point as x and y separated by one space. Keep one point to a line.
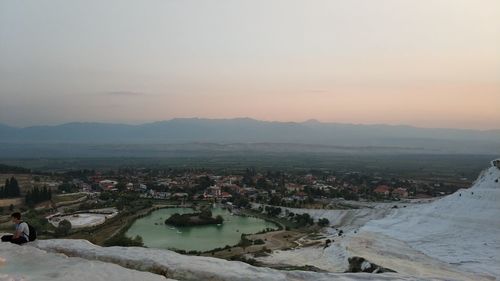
410 165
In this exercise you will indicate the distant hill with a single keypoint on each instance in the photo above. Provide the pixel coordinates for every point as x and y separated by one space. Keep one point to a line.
246 131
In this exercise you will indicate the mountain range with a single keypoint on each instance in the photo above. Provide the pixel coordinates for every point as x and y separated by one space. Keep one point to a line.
251 132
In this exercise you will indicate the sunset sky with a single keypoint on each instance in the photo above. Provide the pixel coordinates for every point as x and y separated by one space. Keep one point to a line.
427 63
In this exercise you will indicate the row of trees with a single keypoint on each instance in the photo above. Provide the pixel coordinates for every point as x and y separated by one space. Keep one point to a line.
273 211
203 218
37 195
124 241
301 219
6 169
10 189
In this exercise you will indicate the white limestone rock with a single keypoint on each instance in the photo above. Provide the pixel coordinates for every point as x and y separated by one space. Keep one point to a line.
28 263
461 229
184 267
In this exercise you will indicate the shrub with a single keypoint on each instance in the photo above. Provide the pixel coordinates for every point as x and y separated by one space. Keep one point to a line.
259 242
122 240
63 228
323 222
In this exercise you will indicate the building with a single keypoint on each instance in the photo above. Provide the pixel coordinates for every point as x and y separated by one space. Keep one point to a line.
321 186
180 195
225 195
213 191
216 192
292 187
108 184
400 192
383 190
232 187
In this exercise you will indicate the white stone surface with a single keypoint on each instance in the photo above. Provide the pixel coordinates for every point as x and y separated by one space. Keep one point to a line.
462 228
83 219
183 267
31 264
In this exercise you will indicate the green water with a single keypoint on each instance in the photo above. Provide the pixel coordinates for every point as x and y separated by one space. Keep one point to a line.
156 234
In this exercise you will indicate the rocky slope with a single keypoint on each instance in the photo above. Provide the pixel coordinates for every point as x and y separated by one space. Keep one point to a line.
29 263
461 229
76 260
454 238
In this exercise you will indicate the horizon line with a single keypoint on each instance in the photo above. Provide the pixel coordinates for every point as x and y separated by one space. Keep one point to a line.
310 120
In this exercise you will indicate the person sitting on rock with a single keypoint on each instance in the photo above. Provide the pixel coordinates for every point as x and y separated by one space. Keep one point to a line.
22 233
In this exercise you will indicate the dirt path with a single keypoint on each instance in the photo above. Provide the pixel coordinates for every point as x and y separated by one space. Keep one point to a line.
275 240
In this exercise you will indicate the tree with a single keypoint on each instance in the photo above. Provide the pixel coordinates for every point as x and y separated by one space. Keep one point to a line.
204 182
241 201
122 240
121 186
219 219
67 187
3 193
275 200
262 183
10 189
273 211
206 214
14 188
323 222
244 242
37 195
5 169
63 228
304 219
247 179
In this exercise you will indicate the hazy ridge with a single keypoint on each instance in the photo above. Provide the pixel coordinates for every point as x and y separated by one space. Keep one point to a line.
243 134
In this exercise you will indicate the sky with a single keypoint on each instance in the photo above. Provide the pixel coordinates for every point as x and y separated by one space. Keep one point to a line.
426 63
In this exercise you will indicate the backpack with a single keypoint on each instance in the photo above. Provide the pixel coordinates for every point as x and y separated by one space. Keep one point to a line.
32 236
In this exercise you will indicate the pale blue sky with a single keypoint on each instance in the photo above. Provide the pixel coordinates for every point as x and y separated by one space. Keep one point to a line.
432 63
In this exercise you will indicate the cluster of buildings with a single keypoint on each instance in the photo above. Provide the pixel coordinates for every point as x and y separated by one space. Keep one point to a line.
257 187
386 191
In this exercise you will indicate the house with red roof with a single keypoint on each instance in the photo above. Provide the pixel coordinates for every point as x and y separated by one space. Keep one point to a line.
383 190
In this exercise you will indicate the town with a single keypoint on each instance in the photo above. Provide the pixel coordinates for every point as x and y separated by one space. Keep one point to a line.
102 206
308 189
